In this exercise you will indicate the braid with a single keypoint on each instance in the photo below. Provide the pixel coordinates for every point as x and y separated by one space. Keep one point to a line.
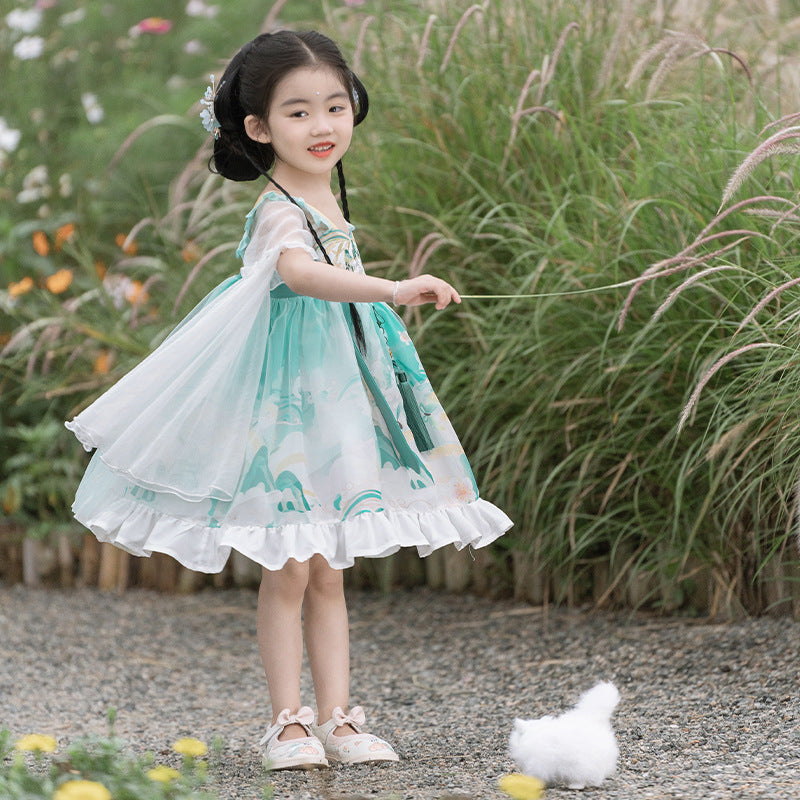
358 328
342 190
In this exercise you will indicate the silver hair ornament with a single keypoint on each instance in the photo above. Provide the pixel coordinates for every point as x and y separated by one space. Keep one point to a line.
207 117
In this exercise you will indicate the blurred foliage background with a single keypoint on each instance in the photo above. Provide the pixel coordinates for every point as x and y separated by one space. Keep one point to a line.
643 438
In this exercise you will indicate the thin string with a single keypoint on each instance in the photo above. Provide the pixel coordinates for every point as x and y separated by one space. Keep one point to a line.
607 287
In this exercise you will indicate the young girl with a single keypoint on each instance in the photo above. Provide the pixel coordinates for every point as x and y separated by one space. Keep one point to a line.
288 416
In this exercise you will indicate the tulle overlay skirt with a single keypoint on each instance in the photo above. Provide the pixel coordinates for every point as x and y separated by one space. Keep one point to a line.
310 450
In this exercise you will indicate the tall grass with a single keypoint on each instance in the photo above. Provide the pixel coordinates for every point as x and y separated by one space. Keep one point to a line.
530 170
642 438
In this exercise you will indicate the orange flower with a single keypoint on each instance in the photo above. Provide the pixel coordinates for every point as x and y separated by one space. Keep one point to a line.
20 287
40 243
130 249
59 281
135 293
190 252
64 234
101 269
102 364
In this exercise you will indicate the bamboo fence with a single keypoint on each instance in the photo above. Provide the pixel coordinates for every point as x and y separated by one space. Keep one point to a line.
712 591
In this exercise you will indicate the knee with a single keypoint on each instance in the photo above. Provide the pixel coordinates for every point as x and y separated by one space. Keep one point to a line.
290 582
324 580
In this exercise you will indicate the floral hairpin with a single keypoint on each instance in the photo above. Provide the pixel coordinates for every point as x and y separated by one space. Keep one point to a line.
209 120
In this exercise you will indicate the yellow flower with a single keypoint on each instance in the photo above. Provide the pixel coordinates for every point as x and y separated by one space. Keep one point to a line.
37 743
163 774
64 234
59 281
40 243
521 787
81 790
20 287
101 269
190 747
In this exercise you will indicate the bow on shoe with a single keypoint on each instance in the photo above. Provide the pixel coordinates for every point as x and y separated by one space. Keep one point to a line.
304 717
355 718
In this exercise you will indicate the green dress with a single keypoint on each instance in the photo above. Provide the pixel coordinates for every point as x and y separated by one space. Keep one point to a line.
259 426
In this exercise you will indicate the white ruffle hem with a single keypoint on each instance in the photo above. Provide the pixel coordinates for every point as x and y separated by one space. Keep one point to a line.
141 532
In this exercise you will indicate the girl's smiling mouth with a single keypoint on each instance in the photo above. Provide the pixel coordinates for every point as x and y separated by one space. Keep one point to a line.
321 150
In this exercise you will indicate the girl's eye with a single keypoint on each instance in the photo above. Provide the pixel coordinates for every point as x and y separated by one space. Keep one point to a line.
336 109
299 114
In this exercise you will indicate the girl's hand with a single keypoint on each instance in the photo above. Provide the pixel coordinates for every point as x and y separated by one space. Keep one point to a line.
425 289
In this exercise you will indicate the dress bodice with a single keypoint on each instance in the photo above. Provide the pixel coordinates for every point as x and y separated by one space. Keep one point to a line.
340 245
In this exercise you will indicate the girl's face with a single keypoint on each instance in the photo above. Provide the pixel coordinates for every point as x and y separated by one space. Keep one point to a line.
310 121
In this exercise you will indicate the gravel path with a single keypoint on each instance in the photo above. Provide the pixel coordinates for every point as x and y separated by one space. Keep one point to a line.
707 711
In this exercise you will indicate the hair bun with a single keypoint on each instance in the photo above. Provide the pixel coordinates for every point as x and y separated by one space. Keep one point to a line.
230 161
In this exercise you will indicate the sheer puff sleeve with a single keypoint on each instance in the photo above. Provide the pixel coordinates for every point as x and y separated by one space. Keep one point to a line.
178 422
272 228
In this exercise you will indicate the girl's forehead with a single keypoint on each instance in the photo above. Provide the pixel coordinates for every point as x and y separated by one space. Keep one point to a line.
308 82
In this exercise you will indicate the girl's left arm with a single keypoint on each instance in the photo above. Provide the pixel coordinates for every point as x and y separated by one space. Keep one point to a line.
305 276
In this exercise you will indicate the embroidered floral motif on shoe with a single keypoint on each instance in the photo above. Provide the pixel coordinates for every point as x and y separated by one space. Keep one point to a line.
300 753
353 748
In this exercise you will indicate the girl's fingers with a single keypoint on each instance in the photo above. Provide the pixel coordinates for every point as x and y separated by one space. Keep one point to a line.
434 290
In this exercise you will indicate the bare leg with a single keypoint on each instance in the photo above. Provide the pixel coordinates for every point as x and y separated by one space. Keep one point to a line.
327 639
280 637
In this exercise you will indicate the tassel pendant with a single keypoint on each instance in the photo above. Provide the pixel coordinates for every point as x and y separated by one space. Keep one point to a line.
413 414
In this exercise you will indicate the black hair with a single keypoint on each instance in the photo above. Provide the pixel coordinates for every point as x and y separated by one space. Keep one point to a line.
247 86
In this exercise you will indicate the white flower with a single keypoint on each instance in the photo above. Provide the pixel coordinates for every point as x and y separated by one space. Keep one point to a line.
94 111
194 47
36 177
35 182
65 185
9 137
73 17
31 195
26 21
197 8
29 47
117 286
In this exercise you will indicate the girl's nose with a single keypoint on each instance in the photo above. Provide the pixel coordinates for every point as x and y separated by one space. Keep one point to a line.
322 124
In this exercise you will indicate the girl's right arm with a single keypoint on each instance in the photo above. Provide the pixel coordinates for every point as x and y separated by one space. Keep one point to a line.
317 279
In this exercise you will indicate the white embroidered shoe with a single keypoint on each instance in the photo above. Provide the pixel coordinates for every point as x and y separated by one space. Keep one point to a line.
355 748
304 753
